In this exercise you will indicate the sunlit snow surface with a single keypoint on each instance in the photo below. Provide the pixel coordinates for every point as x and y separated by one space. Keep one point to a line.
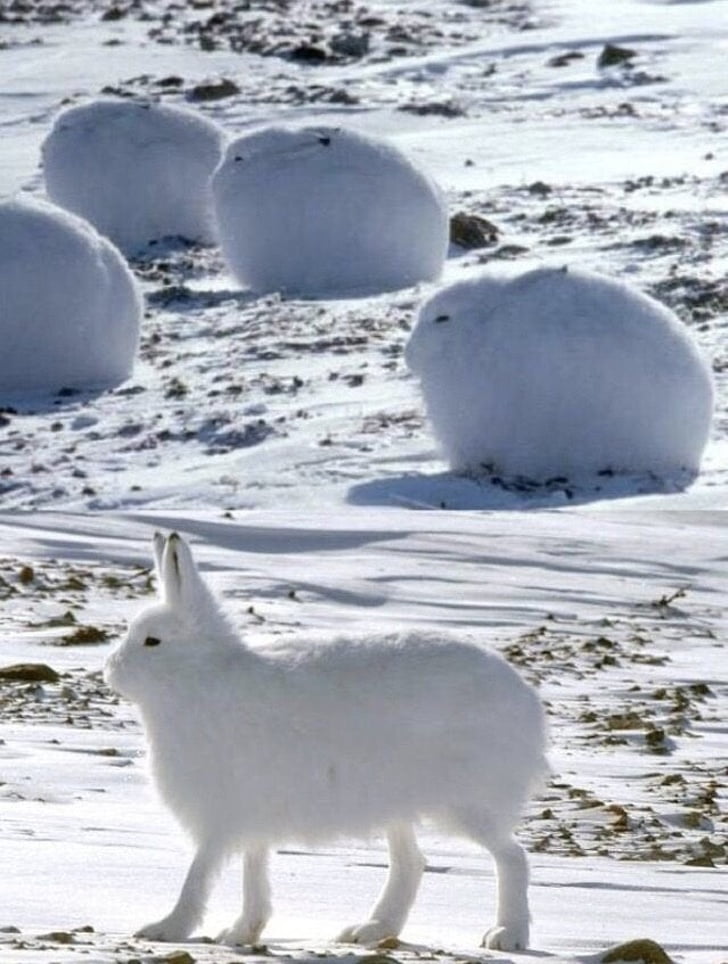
287 438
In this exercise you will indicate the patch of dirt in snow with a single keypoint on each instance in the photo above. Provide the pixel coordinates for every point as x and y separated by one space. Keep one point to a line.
646 731
220 371
310 32
49 602
85 944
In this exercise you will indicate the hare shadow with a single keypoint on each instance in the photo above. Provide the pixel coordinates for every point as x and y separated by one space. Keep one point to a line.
454 492
48 401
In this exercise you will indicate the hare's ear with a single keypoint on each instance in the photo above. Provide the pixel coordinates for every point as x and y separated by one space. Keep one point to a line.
158 545
181 581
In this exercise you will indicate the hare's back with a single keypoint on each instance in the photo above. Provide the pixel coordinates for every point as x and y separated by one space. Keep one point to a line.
415 671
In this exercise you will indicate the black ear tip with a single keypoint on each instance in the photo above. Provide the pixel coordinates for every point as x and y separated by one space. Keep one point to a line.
175 537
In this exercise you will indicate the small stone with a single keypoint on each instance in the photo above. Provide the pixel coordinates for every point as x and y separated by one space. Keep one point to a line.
84 636
57 937
472 231
29 673
26 575
172 80
309 53
114 13
214 90
350 44
563 60
178 957
642 949
612 55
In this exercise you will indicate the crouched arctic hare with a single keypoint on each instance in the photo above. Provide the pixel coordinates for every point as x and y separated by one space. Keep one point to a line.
309 739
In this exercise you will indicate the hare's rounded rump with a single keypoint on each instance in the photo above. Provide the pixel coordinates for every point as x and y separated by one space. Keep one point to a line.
70 309
138 171
560 372
325 211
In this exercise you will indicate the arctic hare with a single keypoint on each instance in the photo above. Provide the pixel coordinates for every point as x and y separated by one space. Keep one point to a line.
308 739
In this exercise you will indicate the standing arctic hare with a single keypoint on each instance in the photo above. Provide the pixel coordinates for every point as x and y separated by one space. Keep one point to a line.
309 739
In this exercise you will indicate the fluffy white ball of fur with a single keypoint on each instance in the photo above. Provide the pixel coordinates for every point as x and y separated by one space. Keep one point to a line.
326 211
560 372
137 170
70 308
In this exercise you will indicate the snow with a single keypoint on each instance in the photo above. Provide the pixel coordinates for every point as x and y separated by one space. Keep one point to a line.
287 440
139 171
70 306
560 372
327 211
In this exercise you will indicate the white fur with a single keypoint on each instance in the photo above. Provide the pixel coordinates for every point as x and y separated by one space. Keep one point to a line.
70 308
309 739
325 211
558 372
137 170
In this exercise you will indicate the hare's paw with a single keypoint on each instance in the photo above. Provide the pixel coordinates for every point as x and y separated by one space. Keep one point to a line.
370 932
508 937
170 928
243 932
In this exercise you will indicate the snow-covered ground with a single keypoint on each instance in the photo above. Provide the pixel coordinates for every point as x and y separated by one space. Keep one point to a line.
288 440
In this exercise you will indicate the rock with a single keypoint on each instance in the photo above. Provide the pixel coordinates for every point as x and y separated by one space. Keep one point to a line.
213 90
472 231
446 108
178 957
612 56
84 636
563 60
26 575
309 53
29 673
114 13
643 950
57 937
350 44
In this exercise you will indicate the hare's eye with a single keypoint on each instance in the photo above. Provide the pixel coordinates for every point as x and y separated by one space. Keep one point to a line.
152 641
440 318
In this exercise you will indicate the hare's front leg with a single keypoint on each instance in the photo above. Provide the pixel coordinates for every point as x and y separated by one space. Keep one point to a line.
406 866
256 901
189 910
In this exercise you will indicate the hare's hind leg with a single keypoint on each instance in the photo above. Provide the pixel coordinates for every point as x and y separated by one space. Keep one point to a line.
406 866
256 901
510 931
189 910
